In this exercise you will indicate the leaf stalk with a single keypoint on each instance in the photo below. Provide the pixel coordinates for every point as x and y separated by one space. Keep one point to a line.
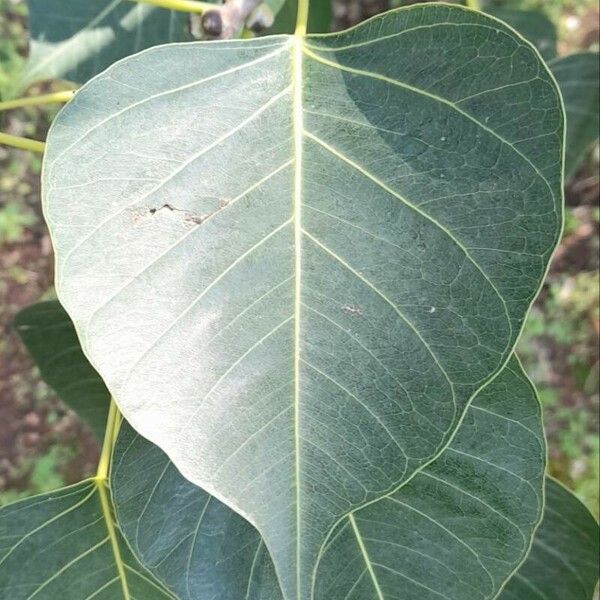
55 98
22 143
113 423
189 6
302 18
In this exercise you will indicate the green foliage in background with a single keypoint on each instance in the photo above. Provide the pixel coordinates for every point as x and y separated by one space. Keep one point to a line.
42 472
13 42
578 76
76 40
566 324
14 219
553 9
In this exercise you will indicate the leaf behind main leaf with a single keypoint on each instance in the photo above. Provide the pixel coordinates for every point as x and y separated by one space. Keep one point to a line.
76 39
50 337
198 547
464 523
295 261
563 562
578 76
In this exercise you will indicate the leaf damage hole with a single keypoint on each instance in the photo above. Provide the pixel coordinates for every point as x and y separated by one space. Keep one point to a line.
349 309
188 216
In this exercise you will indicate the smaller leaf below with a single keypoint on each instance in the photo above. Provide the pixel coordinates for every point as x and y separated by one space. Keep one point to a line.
60 545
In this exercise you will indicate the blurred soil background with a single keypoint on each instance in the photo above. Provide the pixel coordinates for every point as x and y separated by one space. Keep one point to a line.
43 445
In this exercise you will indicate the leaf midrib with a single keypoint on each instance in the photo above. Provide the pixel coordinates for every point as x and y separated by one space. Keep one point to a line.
366 558
298 128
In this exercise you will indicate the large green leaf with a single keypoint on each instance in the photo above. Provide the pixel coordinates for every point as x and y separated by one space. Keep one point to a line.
457 530
50 337
578 76
563 562
76 39
61 546
295 261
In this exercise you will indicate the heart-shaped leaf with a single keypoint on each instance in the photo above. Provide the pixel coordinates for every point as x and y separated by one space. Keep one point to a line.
50 337
457 530
76 39
564 558
294 261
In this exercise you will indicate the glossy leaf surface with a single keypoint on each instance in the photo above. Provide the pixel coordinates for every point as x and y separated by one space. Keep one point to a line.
76 39
295 261
51 340
563 562
58 545
457 530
